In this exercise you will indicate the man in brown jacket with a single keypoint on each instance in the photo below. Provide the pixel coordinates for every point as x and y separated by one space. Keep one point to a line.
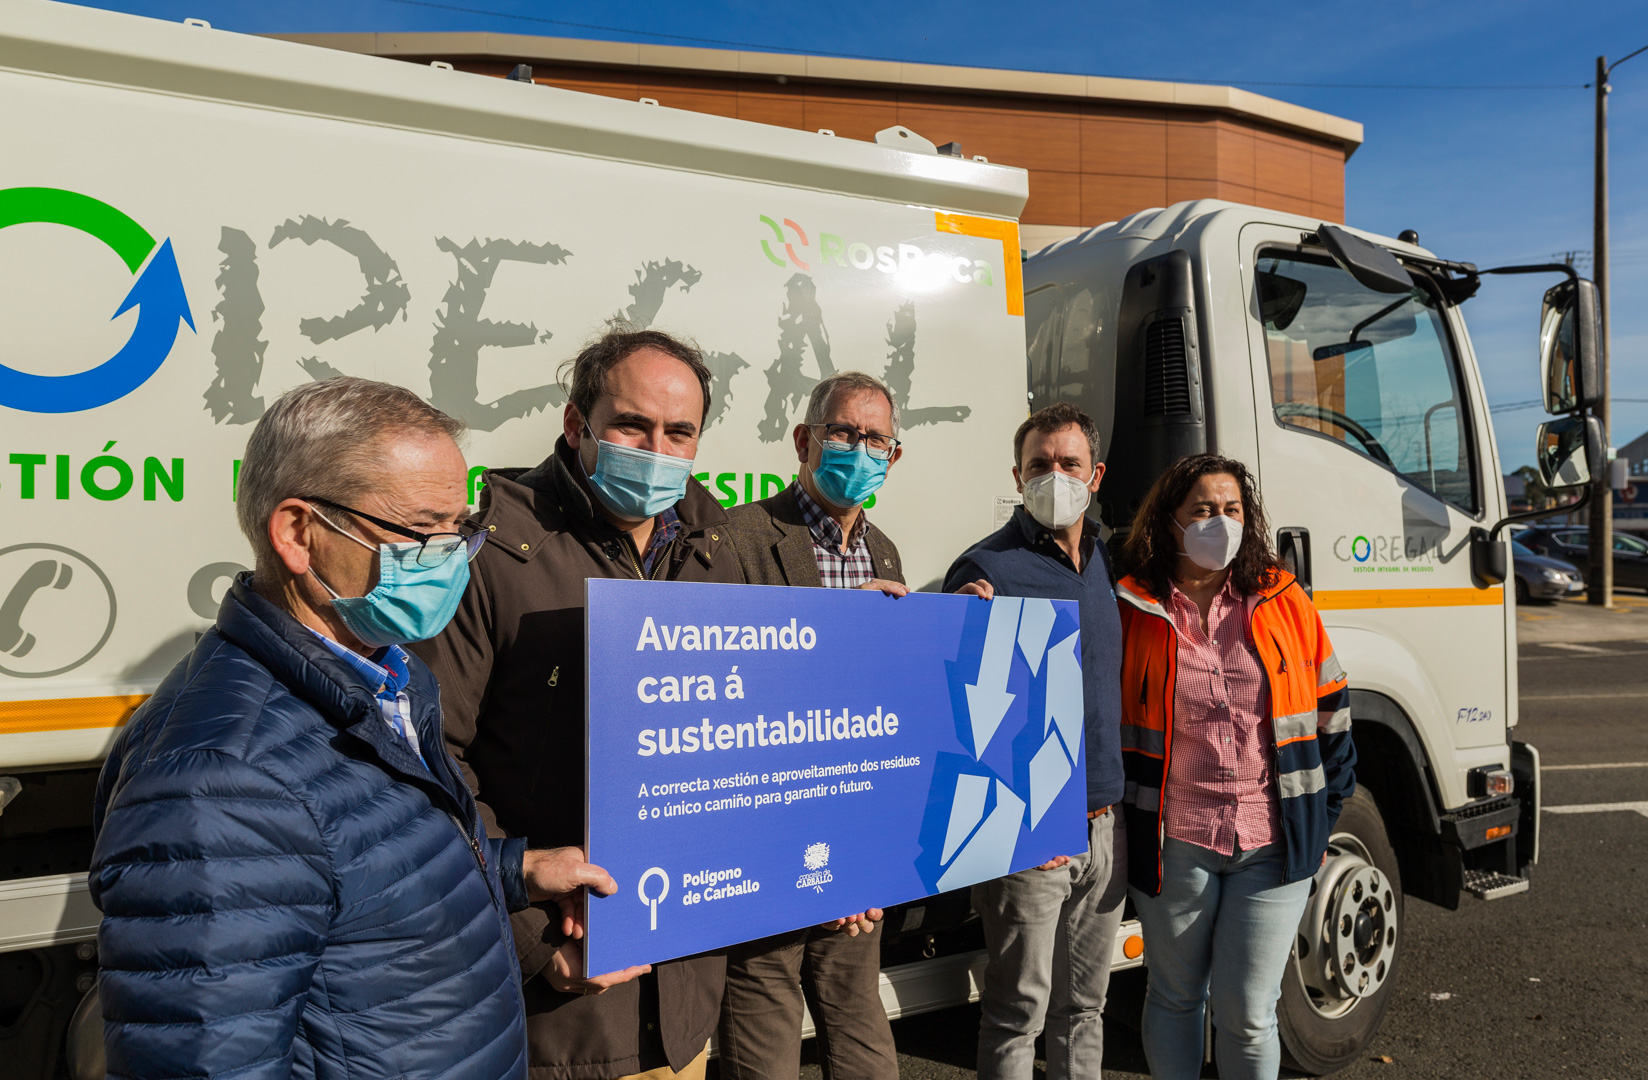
615 500
814 533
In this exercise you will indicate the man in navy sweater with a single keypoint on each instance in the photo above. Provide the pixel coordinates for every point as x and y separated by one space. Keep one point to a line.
1050 930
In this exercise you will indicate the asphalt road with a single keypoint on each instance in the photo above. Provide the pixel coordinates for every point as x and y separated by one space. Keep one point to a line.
1550 983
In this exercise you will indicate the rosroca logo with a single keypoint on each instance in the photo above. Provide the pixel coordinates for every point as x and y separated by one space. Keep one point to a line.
835 250
157 293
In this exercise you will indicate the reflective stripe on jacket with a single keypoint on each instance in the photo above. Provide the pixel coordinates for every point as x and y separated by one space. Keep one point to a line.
1310 716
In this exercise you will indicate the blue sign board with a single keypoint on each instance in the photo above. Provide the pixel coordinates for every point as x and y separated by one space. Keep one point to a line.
763 759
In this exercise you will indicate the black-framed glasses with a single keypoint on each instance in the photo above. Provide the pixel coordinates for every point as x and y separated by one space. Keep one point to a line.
846 437
434 548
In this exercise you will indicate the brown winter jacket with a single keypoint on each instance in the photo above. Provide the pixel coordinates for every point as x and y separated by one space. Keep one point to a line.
511 670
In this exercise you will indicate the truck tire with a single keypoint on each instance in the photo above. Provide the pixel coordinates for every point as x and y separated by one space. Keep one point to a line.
1343 969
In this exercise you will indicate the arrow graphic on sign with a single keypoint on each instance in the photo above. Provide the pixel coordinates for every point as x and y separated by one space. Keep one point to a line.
157 294
987 698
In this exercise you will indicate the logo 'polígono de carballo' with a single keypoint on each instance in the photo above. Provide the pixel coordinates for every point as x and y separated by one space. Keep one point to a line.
817 860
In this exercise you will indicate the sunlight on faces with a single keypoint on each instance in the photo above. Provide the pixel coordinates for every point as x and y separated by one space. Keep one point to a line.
1209 496
867 411
423 485
1064 450
652 401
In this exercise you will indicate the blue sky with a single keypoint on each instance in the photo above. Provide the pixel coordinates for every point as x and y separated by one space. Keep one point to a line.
1489 176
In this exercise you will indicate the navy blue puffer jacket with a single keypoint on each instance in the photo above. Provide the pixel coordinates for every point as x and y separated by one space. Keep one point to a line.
286 890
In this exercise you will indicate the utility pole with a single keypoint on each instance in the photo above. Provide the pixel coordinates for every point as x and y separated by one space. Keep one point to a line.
1601 590
1601 582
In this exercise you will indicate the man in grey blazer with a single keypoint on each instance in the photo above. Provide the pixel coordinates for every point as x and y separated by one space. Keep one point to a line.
814 533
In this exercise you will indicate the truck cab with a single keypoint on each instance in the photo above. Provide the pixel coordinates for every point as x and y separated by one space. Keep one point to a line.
1337 366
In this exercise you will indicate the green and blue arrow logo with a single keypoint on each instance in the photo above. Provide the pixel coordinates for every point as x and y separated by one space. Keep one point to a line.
157 294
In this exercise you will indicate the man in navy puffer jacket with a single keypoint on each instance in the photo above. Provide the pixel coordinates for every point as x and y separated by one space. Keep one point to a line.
294 878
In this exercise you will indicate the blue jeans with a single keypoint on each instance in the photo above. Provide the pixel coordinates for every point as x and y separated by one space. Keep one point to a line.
1221 932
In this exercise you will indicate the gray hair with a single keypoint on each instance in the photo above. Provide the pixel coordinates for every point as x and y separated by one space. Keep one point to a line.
824 395
321 439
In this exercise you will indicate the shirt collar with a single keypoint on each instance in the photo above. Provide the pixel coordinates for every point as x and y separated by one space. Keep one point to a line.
1034 532
825 529
665 530
385 674
1230 594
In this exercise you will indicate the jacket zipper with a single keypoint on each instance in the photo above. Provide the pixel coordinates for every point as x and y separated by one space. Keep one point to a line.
475 849
1275 750
661 559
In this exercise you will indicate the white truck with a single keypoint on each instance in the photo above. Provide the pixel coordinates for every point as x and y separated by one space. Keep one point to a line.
1337 365
256 214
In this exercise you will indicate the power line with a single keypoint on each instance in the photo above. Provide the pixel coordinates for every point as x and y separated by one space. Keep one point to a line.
761 47
1515 406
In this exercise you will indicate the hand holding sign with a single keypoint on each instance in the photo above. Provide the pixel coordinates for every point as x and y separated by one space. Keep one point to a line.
561 874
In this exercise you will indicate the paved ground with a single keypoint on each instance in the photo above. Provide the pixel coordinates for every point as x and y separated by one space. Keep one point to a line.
1576 621
1550 983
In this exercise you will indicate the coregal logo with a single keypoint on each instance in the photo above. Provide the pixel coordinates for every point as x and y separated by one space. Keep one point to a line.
1401 553
835 250
157 293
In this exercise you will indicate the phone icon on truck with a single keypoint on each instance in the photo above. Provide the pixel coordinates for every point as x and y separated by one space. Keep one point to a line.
44 574
57 610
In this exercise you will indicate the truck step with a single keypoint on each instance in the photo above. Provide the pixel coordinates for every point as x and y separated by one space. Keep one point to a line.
1492 885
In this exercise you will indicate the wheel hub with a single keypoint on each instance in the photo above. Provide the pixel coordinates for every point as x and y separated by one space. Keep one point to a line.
1347 939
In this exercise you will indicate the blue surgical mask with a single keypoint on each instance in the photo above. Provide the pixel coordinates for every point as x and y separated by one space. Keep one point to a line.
848 477
637 484
410 602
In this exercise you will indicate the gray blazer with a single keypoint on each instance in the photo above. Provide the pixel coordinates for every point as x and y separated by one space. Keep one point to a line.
775 547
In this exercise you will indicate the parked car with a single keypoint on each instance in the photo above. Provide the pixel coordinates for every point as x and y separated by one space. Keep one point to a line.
1571 544
1540 577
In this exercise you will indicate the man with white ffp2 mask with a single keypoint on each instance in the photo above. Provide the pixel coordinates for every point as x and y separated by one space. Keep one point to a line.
1044 926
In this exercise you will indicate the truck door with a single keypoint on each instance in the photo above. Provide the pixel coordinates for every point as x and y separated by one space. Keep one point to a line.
1370 440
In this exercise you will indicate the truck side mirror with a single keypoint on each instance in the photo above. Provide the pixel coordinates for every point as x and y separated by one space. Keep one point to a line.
1569 451
1569 331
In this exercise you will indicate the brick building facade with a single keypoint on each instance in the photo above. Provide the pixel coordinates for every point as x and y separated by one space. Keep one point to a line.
1096 148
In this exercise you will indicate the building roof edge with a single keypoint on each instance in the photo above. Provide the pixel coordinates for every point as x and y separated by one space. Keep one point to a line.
526 47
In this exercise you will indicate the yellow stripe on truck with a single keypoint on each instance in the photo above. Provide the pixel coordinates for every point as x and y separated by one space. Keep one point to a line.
67 714
992 229
1348 599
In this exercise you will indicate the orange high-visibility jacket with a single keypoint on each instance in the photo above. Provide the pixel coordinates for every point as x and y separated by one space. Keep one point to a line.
1314 757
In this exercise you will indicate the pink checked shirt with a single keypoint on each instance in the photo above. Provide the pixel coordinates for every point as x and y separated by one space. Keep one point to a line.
1221 788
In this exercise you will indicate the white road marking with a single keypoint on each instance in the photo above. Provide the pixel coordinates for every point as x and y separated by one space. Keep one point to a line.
1600 808
1571 647
1603 765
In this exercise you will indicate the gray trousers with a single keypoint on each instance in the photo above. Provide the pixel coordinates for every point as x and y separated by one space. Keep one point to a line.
838 976
1050 936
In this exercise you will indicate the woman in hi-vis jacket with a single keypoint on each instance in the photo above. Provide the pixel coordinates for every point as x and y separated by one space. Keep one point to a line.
1237 751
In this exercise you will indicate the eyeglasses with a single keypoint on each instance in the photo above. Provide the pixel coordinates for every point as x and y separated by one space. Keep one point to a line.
435 548
845 437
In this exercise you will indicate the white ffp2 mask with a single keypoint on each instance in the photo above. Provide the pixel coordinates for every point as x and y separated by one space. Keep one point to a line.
1056 500
1212 543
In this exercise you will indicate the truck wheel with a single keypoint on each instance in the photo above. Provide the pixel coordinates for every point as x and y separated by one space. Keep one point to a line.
1343 969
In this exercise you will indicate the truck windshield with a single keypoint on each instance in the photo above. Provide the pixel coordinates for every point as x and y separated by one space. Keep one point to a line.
1372 371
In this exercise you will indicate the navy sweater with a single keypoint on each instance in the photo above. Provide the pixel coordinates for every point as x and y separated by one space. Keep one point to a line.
1022 559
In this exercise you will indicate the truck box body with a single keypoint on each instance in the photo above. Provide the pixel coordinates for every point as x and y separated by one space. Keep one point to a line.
460 235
